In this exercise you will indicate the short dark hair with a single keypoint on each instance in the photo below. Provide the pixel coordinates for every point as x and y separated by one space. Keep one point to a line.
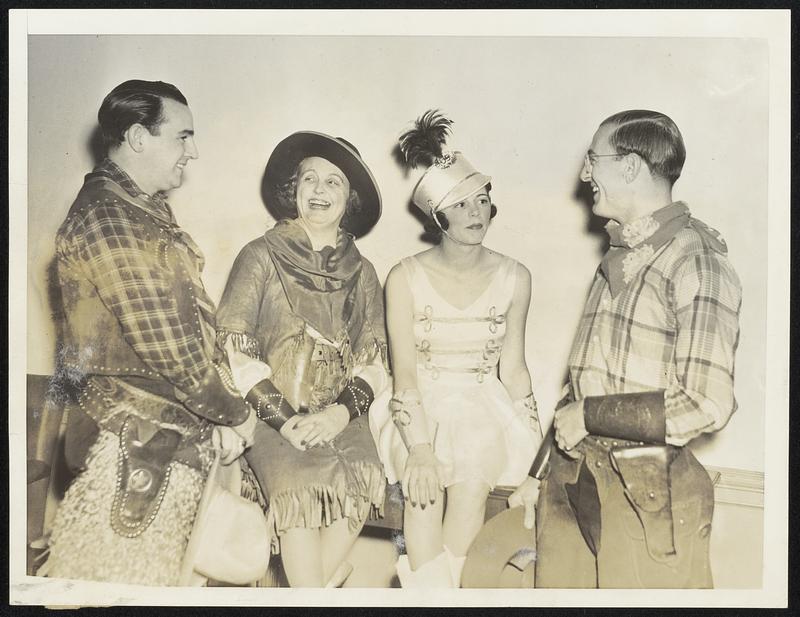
134 102
653 136
287 194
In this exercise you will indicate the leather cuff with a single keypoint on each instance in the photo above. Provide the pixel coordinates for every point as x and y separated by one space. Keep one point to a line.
357 396
639 416
270 405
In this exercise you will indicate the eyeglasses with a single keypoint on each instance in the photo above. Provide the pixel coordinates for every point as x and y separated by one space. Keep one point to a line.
590 158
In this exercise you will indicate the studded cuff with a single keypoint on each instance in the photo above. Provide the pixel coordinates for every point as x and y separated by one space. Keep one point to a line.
270 405
639 416
357 396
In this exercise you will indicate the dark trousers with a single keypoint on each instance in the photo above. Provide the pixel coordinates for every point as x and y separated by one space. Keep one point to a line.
623 561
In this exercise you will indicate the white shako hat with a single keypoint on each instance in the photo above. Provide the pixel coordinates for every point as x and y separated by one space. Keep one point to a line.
450 177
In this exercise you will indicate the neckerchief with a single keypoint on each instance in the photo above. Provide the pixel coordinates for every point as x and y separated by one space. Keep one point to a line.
635 243
320 285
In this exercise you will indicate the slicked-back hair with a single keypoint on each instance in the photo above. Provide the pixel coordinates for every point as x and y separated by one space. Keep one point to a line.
134 102
653 136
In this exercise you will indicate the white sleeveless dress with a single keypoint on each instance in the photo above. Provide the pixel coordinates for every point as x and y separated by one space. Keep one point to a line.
476 432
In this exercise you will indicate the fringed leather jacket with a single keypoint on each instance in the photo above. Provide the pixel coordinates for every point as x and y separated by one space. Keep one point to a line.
269 304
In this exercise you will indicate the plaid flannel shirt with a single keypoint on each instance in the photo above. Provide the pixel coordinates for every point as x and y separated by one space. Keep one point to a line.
156 320
674 327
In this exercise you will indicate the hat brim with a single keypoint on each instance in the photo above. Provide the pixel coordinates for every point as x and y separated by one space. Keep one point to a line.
501 539
220 521
288 154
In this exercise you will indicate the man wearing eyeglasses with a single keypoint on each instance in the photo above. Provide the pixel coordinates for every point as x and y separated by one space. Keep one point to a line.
625 504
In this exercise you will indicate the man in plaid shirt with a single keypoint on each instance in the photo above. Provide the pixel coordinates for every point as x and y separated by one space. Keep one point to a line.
155 390
624 503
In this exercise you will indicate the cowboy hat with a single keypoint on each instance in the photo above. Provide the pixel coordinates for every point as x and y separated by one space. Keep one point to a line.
288 154
502 555
230 539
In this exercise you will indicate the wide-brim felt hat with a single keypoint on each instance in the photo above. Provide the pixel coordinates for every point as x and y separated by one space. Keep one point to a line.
288 154
230 538
503 554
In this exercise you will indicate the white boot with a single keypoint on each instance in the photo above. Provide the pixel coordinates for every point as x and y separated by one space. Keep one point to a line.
433 574
456 565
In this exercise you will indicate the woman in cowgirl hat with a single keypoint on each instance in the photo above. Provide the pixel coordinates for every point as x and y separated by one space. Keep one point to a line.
302 316
455 313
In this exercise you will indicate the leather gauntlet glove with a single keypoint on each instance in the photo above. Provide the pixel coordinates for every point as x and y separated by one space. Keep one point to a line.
638 416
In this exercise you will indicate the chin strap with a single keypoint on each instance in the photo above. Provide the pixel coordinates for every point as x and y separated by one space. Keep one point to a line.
444 231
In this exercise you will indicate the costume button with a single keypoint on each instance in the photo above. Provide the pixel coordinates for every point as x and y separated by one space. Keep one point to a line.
614 444
705 530
651 495
598 463
604 443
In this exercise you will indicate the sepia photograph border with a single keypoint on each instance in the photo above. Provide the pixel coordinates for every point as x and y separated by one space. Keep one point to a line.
773 26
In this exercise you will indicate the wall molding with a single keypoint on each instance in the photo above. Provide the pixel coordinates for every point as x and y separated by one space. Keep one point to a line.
739 487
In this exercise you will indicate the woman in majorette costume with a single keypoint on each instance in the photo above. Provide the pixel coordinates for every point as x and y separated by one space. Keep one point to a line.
462 418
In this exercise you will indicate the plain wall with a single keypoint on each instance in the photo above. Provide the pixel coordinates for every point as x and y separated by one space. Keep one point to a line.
525 110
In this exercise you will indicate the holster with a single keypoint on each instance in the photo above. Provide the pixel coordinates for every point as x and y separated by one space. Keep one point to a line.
110 401
645 473
143 470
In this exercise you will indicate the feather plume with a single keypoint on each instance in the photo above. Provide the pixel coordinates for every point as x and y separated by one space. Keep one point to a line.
423 144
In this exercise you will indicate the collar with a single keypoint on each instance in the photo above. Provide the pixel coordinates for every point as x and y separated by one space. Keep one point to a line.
634 244
634 233
154 205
